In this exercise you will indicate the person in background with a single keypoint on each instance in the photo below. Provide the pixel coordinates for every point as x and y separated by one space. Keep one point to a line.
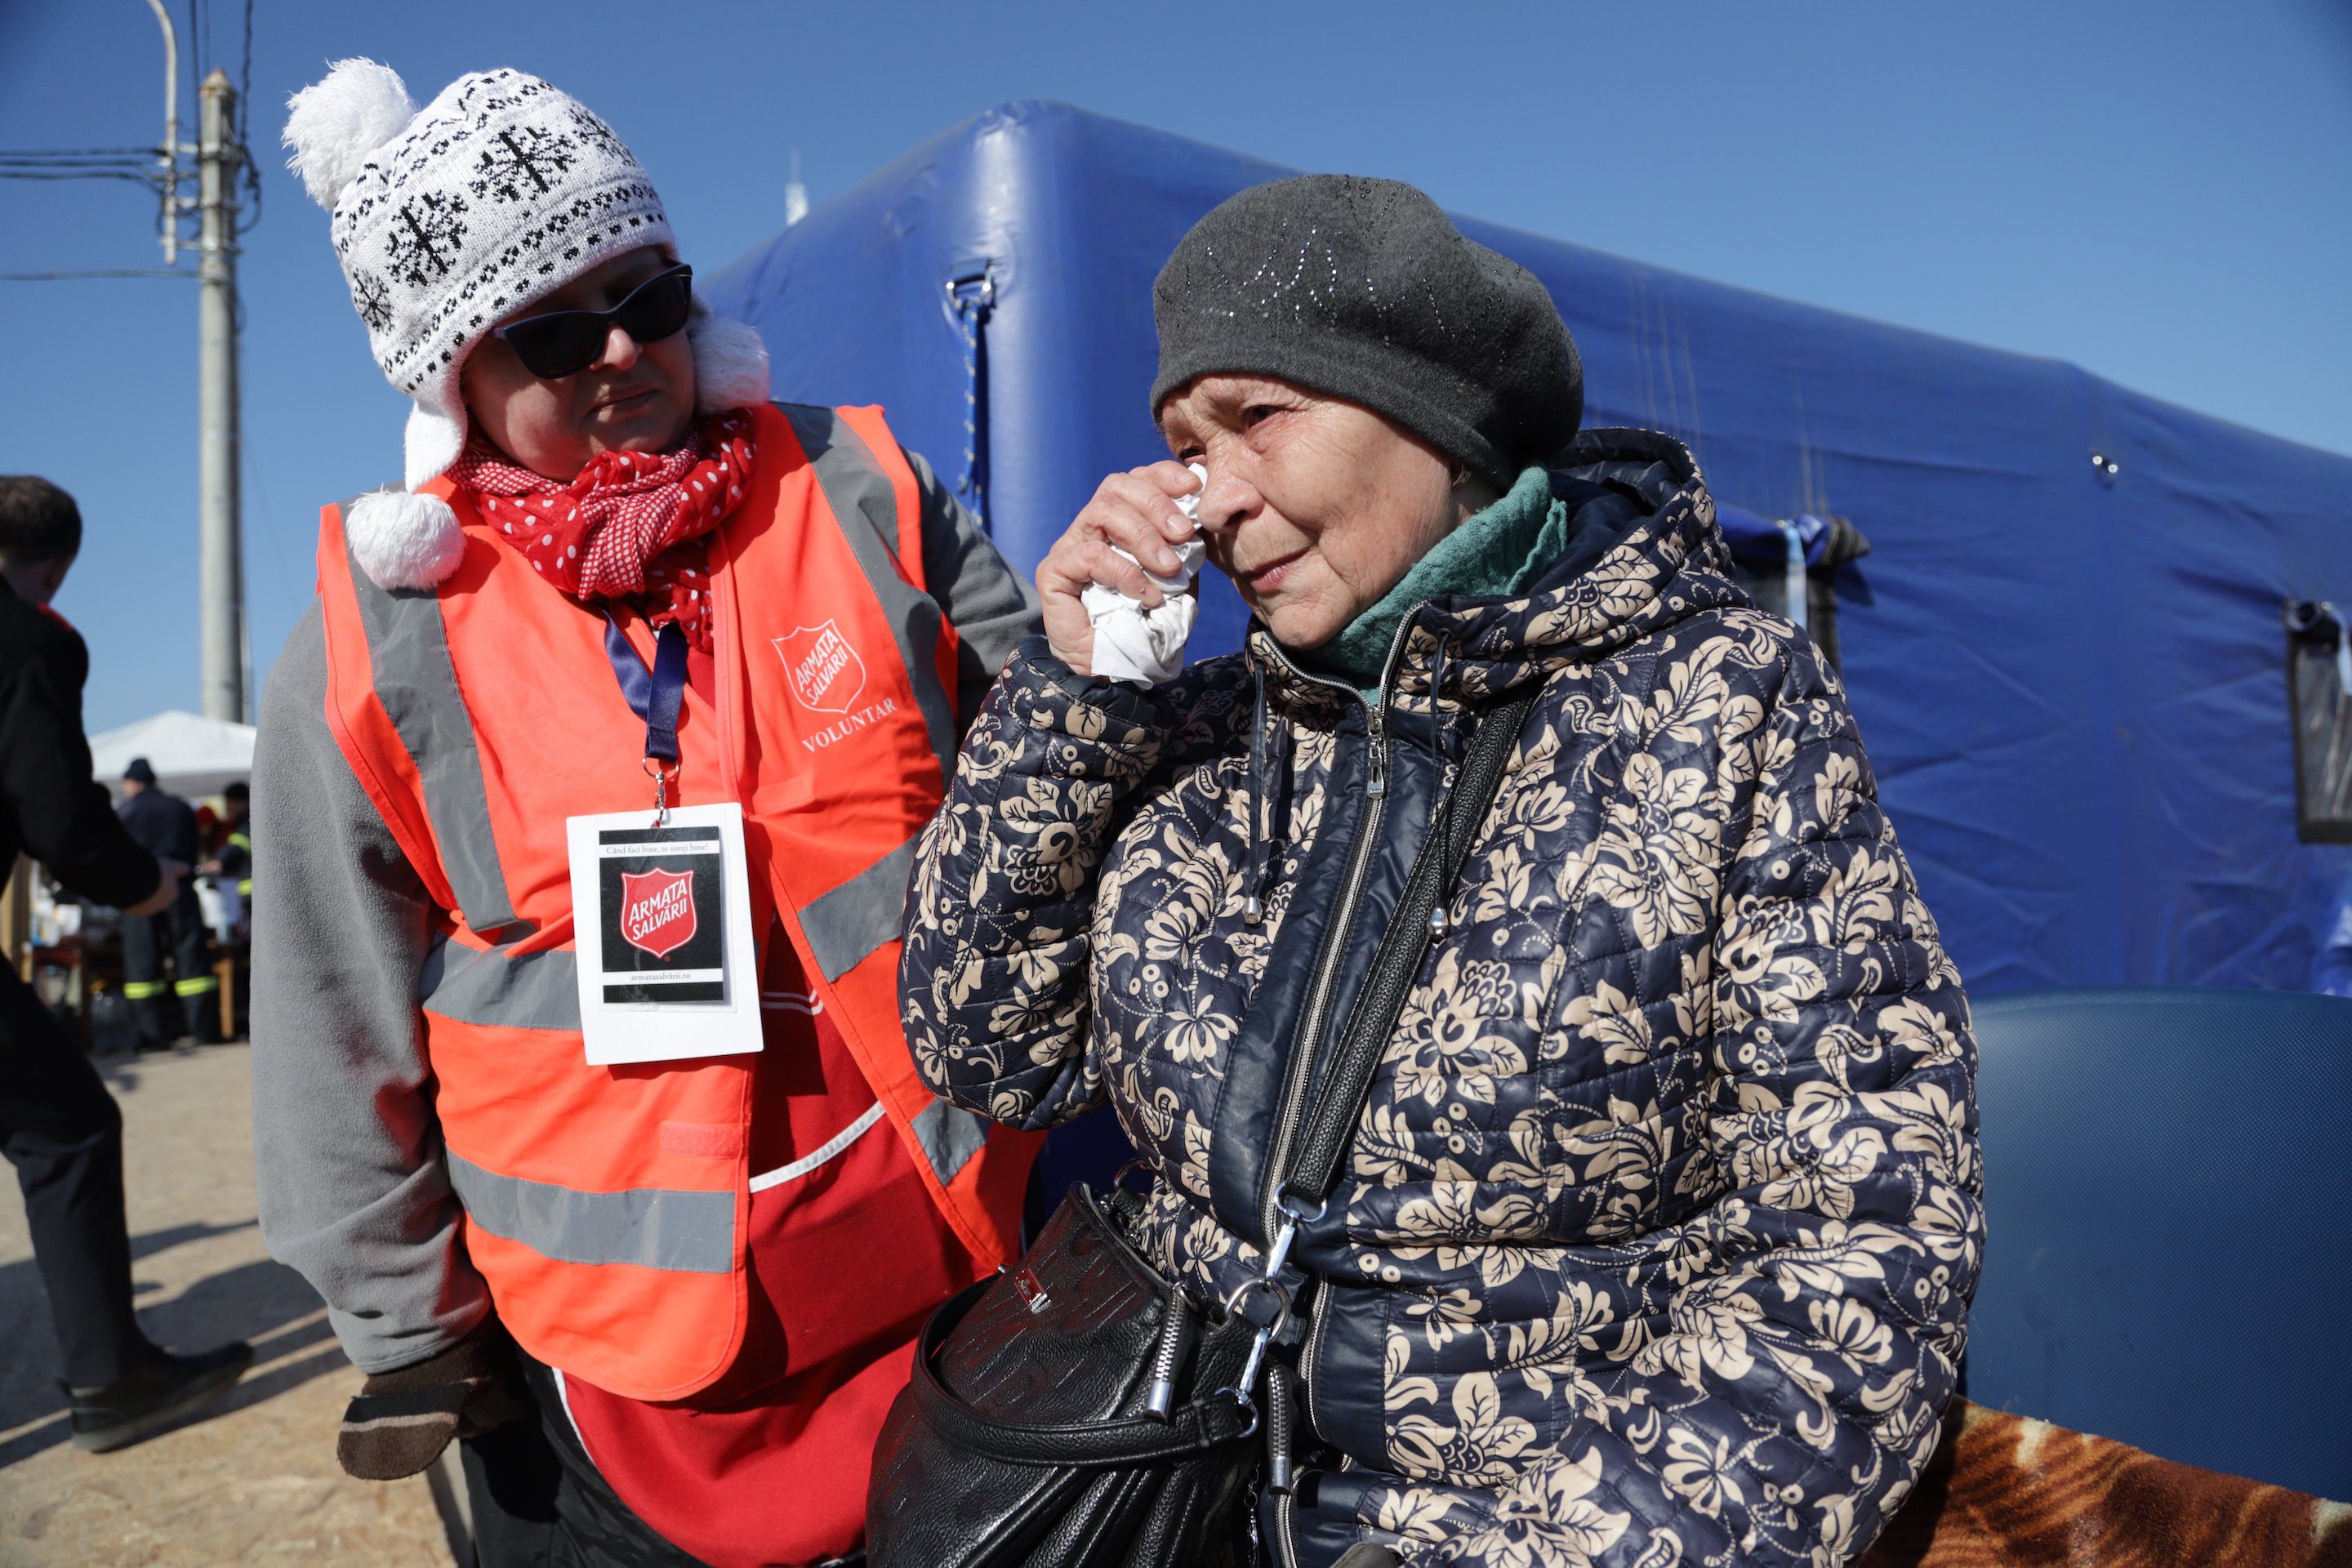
186 1000
58 1126
711 1269
231 866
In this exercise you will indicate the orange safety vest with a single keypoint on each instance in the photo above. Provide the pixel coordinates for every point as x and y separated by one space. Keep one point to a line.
606 1206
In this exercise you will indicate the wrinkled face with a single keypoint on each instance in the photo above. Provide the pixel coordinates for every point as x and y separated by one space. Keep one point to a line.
637 397
1315 507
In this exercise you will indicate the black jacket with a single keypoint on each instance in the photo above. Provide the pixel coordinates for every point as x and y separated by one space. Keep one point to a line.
163 825
51 807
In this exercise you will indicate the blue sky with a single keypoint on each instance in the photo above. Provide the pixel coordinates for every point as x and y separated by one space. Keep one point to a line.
2157 192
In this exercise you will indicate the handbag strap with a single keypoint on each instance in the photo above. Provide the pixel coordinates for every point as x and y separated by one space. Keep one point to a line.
1192 1429
1332 1115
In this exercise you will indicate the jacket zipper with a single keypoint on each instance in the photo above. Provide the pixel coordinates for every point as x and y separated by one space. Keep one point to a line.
1319 997
1318 1318
1307 1040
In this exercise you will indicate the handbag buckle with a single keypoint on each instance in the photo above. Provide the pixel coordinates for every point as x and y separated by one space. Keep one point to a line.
1244 1400
1031 1290
1264 1337
1279 1253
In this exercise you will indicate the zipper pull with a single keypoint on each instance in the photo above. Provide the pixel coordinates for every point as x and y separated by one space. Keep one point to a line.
1376 739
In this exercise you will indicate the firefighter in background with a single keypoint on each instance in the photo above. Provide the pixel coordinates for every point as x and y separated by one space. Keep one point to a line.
231 867
662 1301
186 1000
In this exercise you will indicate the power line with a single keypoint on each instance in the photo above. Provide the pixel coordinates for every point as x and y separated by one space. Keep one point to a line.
135 165
71 162
245 129
102 272
79 153
148 180
199 39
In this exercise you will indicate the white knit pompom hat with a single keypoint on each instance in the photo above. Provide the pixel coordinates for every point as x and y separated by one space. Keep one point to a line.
450 219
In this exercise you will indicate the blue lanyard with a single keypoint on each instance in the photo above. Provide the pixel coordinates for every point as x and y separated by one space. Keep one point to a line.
652 695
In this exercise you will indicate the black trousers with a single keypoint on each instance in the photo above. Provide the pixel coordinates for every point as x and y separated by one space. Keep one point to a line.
538 1502
62 1131
182 997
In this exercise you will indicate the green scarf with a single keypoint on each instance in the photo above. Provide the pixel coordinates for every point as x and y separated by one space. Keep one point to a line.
1497 551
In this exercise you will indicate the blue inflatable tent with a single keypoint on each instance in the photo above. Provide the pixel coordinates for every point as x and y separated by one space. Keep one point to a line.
2065 649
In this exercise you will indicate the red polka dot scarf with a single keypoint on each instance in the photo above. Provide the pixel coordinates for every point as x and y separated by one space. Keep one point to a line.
630 526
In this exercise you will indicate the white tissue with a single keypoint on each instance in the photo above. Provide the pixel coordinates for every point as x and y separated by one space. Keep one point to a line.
1146 647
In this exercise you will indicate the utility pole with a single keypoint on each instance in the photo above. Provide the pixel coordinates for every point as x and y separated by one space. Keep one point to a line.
220 569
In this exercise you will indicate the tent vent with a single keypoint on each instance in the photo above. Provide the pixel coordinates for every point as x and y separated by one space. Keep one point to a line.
971 295
1794 566
2319 695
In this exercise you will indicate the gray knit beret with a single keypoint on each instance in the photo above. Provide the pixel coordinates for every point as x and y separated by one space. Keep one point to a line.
1363 289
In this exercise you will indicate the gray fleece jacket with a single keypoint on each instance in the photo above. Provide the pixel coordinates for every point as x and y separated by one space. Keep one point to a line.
354 1188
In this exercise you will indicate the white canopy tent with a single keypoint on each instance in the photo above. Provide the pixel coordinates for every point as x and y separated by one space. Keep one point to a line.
192 757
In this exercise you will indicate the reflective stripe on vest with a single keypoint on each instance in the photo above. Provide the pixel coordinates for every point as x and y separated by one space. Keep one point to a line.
856 488
494 987
950 1136
408 651
694 1232
850 923
540 991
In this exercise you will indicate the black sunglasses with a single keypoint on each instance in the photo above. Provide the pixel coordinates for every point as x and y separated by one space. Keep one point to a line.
565 343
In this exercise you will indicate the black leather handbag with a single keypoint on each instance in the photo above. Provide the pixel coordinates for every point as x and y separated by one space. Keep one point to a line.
1079 1411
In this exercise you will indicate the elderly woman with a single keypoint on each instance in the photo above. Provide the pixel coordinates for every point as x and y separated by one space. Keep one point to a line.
1658 1233
586 792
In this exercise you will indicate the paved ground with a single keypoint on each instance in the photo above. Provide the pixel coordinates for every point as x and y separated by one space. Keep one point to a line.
254 1479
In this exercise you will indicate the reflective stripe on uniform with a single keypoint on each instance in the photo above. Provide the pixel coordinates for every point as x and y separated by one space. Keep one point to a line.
408 649
204 984
139 990
832 1148
950 1136
473 985
653 1228
855 919
866 505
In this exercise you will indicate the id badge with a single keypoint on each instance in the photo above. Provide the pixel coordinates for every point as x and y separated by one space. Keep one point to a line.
661 916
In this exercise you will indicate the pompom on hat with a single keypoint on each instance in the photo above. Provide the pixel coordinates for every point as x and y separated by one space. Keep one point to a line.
448 220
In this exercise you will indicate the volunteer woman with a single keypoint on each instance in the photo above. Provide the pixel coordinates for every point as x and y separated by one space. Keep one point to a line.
618 584
1658 1235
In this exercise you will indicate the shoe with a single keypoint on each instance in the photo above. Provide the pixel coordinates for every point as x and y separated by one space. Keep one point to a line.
151 1398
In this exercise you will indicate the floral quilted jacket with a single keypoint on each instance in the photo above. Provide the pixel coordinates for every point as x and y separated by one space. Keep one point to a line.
1663 1218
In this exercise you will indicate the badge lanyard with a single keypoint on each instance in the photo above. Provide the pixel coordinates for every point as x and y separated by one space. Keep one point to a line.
661 915
652 695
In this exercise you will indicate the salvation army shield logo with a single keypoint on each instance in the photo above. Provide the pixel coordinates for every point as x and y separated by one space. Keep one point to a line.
657 910
826 674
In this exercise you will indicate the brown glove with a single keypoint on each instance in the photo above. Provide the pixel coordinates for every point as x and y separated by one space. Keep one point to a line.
402 1420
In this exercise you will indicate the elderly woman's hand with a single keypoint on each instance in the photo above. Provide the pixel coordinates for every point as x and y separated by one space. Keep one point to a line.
1135 511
